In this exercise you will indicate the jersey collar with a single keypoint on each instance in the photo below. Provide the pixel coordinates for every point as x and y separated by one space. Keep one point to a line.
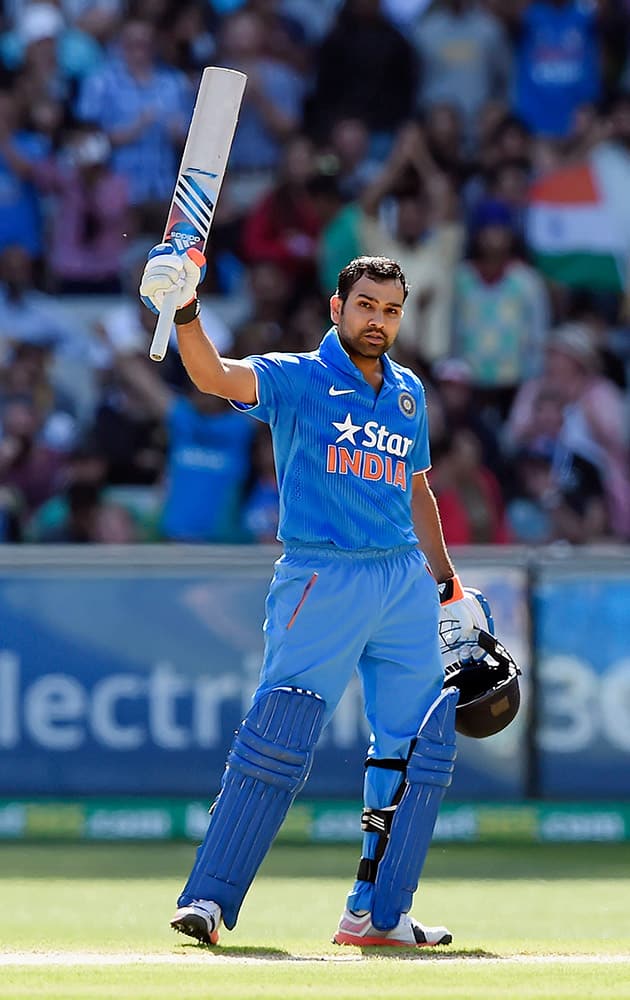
333 354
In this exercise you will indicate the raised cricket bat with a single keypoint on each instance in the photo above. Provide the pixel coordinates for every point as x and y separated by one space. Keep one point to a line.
200 177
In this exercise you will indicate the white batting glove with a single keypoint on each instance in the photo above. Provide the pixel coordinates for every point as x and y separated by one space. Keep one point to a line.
165 270
464 612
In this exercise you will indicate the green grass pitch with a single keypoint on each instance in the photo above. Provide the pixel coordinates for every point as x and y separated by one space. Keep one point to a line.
91 921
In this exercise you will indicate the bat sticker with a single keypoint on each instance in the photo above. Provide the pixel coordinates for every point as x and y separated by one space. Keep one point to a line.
193 205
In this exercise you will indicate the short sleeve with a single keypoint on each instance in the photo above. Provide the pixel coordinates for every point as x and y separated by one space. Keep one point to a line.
278 386
421 453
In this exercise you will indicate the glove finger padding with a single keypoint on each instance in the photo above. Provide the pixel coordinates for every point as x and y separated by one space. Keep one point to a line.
167 270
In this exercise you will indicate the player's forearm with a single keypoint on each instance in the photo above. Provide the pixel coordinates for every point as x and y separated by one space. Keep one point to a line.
429 531
209 371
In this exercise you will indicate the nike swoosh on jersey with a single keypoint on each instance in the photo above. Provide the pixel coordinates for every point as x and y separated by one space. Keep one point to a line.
339 392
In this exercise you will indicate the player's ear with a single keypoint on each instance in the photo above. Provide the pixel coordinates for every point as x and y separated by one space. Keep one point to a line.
336 306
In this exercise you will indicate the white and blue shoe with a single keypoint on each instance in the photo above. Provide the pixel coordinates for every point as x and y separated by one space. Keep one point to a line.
200 919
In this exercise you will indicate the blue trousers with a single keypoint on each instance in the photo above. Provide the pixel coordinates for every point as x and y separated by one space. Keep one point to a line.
329 614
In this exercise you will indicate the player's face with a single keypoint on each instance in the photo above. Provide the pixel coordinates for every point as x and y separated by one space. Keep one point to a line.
369 320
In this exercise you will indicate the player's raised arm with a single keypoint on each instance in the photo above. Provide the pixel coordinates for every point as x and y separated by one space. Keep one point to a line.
167 270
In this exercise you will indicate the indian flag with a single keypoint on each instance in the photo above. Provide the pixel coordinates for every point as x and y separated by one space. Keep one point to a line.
578 223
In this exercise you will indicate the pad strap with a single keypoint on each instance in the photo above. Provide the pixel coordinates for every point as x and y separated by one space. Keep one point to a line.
379 821
367 870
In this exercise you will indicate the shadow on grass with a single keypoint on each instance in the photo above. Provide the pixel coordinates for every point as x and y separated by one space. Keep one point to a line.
340 955
232 951
429 954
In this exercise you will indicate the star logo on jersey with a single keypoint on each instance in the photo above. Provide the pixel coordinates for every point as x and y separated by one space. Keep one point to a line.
347 430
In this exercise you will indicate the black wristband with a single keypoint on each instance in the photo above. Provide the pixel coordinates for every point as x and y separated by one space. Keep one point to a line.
187 313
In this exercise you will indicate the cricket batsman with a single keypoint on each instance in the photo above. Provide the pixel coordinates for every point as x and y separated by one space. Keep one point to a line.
355 589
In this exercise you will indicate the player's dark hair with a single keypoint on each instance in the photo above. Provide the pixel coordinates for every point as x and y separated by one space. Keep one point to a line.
376 268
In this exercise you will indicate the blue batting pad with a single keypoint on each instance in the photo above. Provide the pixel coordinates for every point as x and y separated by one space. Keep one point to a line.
429 773
267 766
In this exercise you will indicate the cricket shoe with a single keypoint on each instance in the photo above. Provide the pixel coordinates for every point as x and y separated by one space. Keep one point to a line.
408 933
200 919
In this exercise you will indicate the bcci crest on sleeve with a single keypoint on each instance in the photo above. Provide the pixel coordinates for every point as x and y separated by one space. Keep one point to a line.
407 404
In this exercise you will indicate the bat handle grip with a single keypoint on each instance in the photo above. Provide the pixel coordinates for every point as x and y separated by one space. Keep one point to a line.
164 326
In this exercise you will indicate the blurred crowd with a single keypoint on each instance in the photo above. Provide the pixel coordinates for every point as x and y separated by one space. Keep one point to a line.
485 145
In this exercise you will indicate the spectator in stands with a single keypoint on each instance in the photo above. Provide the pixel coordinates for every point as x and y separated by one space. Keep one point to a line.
26 314
592 310
501 309
261 506
283 227
464 58
31 317
99 19
340 240
208 456
315 19
85 466
547 509
445 141
290 214
557 64
52 52
459 408
509 183
89 213
409 214
471 505
40 72
90 518
506 141
21 221
285 34
29 466
128 433
306 320
28 371
347 156
271 110
594 416
404 13
555 493
144 109
263 329
365 69
184 39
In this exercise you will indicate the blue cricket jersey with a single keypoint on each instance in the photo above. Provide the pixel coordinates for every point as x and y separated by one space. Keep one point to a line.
557 65
344 455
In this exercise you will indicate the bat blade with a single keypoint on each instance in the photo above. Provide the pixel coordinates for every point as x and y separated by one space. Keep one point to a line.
200 176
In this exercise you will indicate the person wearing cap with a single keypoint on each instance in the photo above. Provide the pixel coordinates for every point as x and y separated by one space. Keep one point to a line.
42 26
594 415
